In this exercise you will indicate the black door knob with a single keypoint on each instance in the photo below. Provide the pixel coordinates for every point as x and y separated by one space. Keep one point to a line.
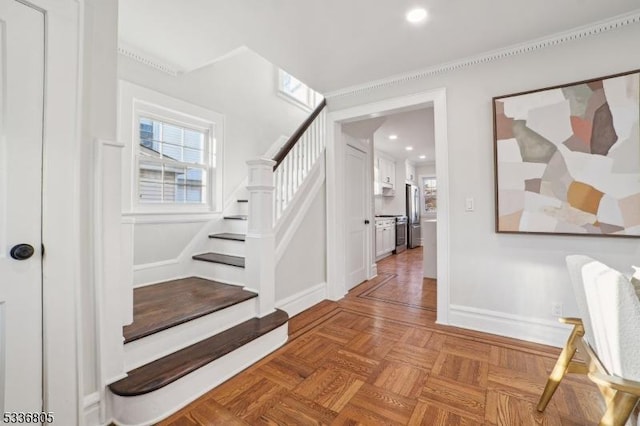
366 221
22 251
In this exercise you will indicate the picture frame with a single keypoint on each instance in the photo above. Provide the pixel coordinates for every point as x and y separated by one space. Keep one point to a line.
567 158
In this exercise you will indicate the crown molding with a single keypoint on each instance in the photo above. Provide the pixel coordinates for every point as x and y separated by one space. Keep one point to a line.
147 60
577 33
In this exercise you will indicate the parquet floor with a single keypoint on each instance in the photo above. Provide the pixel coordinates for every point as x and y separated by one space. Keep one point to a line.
377 358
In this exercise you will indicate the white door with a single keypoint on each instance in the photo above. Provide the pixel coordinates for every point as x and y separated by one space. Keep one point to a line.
21 121
356 202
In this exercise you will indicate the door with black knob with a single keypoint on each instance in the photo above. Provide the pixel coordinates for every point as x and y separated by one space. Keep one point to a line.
21 110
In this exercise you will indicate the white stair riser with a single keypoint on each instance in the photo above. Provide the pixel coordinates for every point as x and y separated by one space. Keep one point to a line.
232 247
152 407
235 226
240 208
218 272
155 346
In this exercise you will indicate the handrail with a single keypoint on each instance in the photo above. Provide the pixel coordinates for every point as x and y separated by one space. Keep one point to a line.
280 156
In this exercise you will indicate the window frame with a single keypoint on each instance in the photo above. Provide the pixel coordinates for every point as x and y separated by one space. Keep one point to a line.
208 154
423 200
313 97
137 102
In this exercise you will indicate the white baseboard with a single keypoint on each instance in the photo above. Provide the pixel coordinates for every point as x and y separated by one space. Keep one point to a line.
152 273
91 410
374 271
305 299
508 325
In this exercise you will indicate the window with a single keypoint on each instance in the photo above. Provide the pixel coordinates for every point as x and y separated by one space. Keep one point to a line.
430 194
298 92
172 163
172 152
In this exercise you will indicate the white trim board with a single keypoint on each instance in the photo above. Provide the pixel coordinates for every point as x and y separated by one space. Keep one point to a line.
146 59
62 208
509 325
336 268
596 28
91 407
153 273
303 300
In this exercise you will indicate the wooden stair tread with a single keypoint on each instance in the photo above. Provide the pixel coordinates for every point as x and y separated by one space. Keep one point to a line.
237 217
229 236
225 259
161 306
159 373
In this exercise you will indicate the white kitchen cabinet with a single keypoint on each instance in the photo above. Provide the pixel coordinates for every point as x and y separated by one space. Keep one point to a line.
410 172
379 241
389 238
377 181
386 172
385 236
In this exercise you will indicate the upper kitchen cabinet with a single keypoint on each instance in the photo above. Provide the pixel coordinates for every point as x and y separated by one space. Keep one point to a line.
410 172
386 172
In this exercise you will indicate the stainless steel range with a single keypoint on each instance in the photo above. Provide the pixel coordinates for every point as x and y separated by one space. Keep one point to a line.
401 234
401 231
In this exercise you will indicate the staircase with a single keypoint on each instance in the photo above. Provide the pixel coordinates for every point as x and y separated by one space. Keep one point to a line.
189 335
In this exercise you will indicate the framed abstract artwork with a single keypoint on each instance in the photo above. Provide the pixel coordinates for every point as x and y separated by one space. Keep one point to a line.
567 158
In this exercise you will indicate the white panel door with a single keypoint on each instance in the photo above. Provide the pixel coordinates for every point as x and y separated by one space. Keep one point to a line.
21 122
356 187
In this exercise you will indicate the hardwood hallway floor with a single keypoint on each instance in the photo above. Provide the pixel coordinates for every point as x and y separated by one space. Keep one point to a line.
378 358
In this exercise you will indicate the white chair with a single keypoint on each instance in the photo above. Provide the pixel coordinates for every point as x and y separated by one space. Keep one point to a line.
607 336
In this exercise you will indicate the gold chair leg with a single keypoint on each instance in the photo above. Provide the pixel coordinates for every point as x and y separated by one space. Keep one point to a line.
560 369
619 409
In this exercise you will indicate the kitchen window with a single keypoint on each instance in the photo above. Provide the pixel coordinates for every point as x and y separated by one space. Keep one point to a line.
430 194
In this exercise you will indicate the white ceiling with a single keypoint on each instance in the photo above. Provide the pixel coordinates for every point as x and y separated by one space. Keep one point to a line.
333 44
413 128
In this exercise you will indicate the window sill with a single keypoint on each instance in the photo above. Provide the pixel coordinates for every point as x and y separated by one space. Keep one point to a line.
148 217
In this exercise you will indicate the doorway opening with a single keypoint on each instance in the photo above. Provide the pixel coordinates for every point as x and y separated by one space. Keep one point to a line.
385 127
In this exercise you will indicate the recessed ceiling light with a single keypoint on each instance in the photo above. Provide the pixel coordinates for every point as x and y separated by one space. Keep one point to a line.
422 157
393 137
409 148
416 15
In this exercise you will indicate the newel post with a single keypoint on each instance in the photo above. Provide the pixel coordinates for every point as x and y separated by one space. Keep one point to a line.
260 241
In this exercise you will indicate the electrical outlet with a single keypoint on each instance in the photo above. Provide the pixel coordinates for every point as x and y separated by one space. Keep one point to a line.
556 309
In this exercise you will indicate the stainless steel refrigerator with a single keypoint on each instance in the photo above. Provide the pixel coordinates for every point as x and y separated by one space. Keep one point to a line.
413 215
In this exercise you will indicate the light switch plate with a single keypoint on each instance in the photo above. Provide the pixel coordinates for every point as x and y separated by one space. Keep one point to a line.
469 204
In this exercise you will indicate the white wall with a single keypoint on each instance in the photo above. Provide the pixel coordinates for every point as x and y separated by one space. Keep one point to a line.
304 263
168 241
426 170
512 274
244 89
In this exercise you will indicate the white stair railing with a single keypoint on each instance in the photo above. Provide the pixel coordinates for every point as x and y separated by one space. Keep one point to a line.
272 184
296 159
